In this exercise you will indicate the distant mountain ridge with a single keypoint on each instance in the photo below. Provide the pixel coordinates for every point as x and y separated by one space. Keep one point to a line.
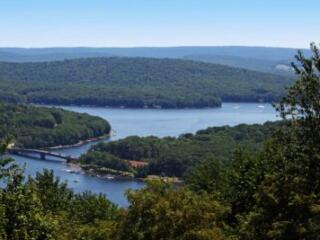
282 67
267 53
264 59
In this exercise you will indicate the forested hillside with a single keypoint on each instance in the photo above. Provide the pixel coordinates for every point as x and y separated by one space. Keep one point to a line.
136 82
174 156
36 127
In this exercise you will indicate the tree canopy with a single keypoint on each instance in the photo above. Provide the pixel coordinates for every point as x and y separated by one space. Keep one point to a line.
38 127
175 156
136 83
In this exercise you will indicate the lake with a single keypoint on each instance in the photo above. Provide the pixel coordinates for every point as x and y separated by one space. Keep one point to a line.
145 122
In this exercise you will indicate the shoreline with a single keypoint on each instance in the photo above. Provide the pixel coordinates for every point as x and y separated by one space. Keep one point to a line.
76 168
80 143
154 107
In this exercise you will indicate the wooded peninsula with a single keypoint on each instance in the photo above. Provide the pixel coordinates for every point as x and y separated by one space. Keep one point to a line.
41 127
136 83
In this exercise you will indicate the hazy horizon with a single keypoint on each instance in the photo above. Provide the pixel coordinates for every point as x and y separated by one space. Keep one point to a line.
169 46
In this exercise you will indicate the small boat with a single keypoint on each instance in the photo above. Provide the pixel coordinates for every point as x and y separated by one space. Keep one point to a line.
75 181
261 106
69 171
109 177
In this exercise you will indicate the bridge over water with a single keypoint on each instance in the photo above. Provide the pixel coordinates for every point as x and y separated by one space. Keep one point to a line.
41 153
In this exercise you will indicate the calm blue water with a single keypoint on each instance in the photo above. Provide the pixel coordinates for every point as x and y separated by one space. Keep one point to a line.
144 122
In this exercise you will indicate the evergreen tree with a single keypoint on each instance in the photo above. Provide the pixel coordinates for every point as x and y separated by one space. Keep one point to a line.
287 201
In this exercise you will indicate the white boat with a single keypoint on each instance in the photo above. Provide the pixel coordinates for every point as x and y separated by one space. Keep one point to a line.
69 171
109 177
261 106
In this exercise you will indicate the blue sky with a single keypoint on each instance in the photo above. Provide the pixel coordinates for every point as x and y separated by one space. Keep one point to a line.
108 23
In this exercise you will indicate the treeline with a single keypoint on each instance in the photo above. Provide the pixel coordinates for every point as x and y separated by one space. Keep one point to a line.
102 160
136 83
271 194
174 156
38 127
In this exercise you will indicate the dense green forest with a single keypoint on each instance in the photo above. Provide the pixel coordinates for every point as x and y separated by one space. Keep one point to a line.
136 82
174 156
271 194
38 127
99 160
